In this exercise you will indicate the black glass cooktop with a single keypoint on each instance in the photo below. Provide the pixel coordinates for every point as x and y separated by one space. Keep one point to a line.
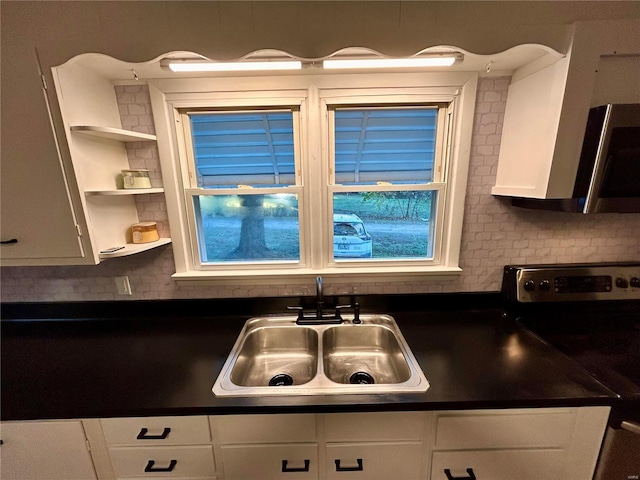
606 344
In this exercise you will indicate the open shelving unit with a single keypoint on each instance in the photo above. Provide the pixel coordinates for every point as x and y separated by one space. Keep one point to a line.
97 144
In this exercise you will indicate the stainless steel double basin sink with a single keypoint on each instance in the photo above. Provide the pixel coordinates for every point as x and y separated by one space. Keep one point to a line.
276 356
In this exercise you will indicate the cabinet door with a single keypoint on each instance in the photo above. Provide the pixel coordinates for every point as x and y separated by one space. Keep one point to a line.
37 209
498 465
374 461
46 451
270 462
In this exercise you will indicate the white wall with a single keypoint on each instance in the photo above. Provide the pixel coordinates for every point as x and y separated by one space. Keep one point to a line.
494 233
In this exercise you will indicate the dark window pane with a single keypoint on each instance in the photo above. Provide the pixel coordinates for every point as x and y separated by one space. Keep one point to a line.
385 145
384 225
247 228
243 148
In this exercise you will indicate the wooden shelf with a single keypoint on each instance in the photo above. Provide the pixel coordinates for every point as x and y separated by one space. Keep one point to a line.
113 133
124 191
133 248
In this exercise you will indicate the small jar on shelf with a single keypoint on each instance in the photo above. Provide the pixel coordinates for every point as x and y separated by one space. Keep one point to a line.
136 178
144 232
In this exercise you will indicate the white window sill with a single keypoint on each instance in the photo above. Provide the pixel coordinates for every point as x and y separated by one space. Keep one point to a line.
305 276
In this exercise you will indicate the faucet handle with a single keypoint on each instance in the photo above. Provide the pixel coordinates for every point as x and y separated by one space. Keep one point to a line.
299 309
356 311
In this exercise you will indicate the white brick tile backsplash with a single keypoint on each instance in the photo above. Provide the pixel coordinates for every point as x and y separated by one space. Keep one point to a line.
494 233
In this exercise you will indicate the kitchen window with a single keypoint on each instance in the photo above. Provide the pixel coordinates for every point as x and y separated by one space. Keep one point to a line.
243 195
325 174
386 165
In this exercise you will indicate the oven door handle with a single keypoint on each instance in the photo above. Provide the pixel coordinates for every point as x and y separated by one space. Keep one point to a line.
630 426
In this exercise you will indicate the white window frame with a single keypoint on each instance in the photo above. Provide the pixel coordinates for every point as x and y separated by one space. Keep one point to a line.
190 182
332 99
308 91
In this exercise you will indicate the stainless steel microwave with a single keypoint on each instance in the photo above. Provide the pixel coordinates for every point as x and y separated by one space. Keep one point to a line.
608 176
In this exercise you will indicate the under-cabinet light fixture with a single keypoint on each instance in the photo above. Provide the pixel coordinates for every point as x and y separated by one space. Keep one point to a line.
443 60
206 66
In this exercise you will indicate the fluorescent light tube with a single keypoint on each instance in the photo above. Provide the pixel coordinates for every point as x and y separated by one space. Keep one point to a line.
439 61
202 66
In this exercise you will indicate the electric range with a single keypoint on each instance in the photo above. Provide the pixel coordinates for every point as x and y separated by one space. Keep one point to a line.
591 313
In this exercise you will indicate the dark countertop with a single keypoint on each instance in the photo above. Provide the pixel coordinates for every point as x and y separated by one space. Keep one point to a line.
150 359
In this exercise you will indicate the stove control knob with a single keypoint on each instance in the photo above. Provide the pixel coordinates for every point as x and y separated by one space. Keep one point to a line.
622 282
635 282
530 285
544 285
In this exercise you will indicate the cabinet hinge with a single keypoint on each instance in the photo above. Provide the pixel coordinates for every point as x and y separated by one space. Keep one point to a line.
88 445
79 230
44 81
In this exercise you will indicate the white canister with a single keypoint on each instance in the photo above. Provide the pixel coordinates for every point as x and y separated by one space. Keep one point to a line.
136 178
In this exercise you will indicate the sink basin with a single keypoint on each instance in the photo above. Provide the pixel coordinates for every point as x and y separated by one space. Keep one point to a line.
276 356
365 354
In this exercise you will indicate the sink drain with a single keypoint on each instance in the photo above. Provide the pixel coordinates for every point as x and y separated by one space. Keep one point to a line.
280 380
362 378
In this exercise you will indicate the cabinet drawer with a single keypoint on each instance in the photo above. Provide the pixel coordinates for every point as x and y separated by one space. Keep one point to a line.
498 464
143 431
343 427
504 429
267 462
289 428
139 462
374 461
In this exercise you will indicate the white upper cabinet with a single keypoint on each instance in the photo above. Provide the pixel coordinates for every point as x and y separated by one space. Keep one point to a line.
547 108
38 223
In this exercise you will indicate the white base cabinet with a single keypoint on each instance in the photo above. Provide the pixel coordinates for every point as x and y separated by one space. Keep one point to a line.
267 447
523 444
159 447
500 444
498 465
375 446
270 462
374 460
55 450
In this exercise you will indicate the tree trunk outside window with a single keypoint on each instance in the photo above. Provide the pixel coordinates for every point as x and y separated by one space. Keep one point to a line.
252 239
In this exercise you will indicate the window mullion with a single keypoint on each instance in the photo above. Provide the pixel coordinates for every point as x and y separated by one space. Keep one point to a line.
315 175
